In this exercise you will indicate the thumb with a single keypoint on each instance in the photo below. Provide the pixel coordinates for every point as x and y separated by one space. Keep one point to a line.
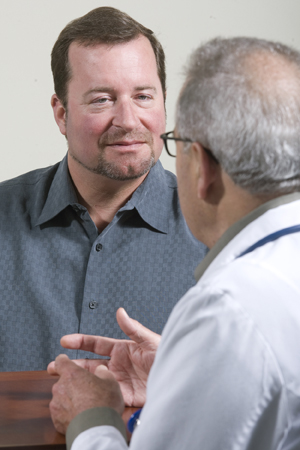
51 368
103 372
63 363
134 329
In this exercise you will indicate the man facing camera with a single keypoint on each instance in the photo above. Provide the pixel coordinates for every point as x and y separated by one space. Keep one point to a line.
226 371
103 228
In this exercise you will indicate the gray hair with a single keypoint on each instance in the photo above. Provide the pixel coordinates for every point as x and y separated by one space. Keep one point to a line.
241 99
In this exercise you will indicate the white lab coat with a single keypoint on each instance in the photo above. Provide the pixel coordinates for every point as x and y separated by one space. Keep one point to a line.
227 371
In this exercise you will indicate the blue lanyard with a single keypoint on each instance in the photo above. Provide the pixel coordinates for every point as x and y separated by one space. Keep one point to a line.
270 238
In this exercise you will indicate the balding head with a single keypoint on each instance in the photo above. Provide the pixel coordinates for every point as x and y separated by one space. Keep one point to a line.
273 76
241 99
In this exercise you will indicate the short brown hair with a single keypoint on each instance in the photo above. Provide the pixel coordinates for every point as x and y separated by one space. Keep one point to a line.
104 25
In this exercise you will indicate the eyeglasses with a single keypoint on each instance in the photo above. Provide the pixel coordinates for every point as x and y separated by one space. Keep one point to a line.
170 145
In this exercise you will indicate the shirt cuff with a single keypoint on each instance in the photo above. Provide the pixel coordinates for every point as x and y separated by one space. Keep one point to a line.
93 418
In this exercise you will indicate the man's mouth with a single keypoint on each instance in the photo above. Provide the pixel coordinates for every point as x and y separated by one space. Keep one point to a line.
129 144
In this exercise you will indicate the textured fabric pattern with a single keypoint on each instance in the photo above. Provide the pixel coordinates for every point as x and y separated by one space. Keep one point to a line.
58 276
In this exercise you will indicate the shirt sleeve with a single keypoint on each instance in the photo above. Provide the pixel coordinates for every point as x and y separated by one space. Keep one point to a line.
96 419
103 437
213 384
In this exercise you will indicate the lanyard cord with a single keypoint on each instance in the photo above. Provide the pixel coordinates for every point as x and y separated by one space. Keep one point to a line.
270 238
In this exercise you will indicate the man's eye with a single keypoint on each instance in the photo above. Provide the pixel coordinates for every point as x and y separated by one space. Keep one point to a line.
101 100
143 97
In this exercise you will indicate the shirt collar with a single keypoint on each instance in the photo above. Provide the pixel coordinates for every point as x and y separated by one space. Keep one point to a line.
239 226
61 194
152 199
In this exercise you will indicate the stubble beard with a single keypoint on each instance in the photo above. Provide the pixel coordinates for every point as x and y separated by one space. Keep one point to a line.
127 171
116 171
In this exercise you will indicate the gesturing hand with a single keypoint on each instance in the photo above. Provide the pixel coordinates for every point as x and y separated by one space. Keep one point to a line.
130 361
78 390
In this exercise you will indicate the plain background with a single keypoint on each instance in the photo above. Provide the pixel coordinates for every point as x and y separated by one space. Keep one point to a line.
29 136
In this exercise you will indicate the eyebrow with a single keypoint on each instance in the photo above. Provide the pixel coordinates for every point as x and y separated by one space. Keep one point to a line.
145 88
109 89
98 89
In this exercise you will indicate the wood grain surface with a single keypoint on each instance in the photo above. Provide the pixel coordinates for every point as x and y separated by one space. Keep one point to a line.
25 421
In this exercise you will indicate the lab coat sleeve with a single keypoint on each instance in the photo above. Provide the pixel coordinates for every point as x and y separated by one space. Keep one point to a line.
104 437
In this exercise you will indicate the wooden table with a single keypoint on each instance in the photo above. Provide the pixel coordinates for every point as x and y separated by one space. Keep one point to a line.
25 421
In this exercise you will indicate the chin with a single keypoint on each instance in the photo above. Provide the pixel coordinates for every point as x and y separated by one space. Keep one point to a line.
122 173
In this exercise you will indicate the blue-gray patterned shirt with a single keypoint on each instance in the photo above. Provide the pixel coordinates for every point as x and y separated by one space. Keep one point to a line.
59 275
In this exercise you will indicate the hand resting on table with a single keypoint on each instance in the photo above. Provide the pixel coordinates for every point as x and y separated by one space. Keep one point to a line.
130 360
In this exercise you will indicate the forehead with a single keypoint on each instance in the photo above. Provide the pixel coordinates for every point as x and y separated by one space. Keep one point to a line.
131 60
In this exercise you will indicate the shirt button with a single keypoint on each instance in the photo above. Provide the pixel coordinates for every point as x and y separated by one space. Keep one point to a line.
98 247
93 305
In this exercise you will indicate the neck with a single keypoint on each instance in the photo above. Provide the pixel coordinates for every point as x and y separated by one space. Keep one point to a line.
228 208
102 196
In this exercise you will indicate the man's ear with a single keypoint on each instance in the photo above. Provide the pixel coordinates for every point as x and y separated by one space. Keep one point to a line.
206 170
59 114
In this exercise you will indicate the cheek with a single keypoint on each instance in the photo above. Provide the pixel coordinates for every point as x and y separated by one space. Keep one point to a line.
85 127
157 126
154 118
162 122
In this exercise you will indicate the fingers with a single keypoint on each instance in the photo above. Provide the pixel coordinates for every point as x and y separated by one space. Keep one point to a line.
57 366
72 341
104 346
63 364
134 329
91 364
103 373
87 364
60 363
96 344
51 368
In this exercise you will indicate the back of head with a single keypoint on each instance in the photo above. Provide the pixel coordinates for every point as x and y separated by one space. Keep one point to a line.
241 99
104 25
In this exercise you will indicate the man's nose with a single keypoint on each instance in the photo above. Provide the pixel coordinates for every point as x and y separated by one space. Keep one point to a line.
125 115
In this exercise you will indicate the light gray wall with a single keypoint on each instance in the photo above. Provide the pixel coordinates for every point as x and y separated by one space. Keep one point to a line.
29 137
